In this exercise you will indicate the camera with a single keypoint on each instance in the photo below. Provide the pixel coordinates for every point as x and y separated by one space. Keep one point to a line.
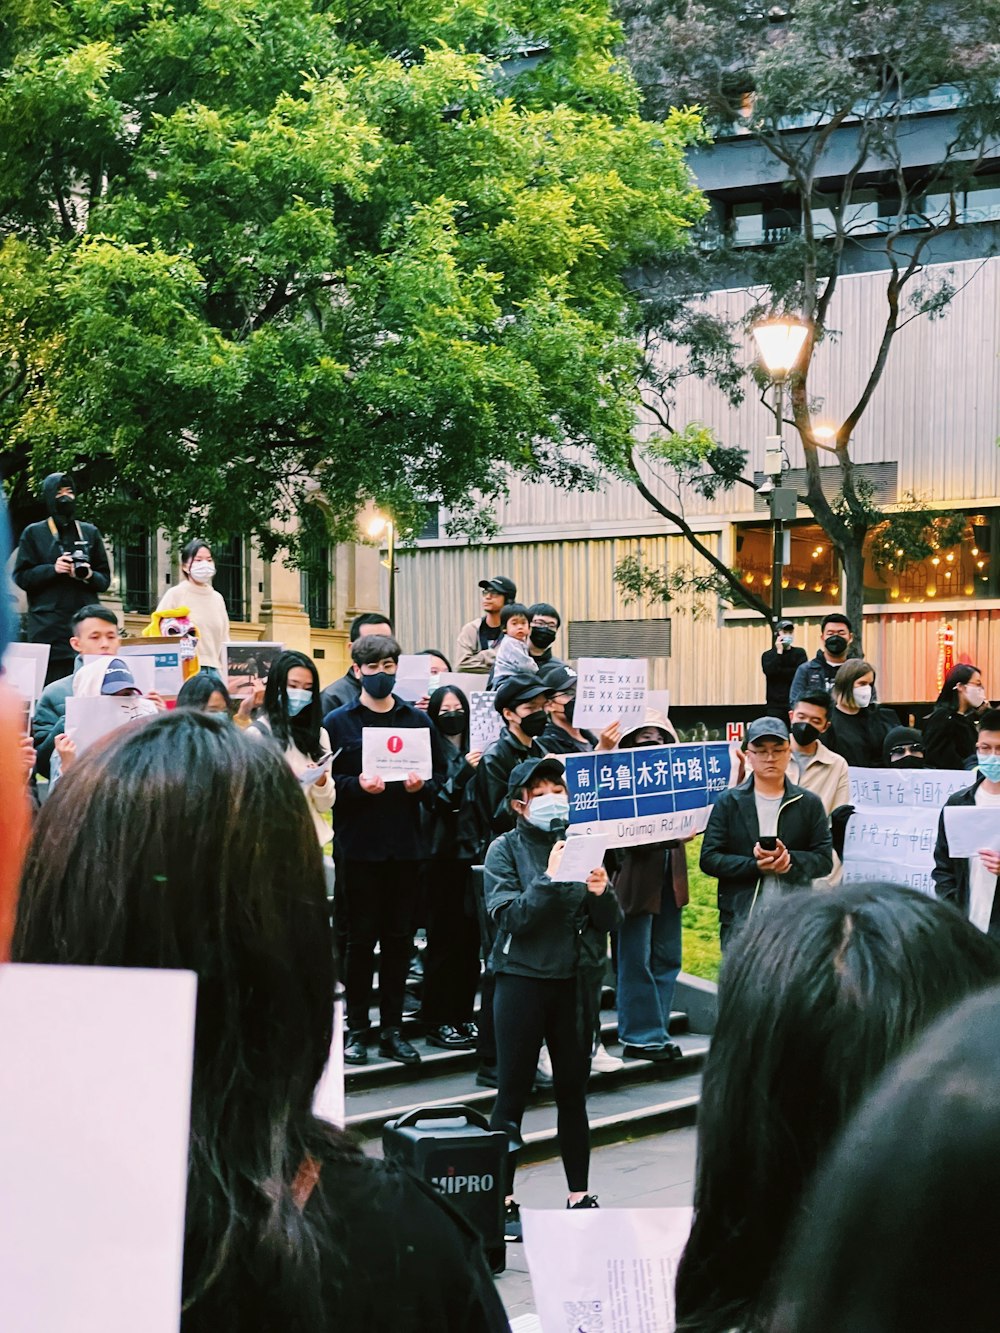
81 560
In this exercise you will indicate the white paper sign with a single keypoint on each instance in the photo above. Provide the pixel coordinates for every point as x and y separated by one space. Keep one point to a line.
413 674
660 700
37 654
143 671
87 720
485 723
581 855
896 846
95 1093
971 829
329 1099
889 788
609 1270
168 665
19 674
393 754
610 689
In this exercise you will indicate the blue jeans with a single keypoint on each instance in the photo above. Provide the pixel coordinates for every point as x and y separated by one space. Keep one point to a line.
649 959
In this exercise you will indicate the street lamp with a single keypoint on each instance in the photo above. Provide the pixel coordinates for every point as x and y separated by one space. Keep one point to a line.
780 343
377 525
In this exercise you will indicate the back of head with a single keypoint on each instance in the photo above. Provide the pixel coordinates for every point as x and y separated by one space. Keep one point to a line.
900 1231
367 618
818 994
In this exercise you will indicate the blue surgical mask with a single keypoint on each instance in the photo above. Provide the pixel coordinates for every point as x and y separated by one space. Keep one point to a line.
297 700
548 808
989 766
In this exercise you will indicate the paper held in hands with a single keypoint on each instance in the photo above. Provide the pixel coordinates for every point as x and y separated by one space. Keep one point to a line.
971 830
393 755
581 855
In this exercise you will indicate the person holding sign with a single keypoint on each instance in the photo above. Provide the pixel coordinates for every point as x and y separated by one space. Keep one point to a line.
552 940
206 606
766 835
93 633
383 841
971 882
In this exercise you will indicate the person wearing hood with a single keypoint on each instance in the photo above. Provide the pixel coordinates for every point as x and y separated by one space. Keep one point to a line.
102 677
61 566
903 747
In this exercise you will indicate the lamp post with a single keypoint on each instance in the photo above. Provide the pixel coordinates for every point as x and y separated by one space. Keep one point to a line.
378 525
780 343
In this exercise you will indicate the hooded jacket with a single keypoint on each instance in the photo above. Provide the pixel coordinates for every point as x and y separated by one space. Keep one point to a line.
53 598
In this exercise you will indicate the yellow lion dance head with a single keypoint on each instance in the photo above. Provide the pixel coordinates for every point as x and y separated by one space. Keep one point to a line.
177 624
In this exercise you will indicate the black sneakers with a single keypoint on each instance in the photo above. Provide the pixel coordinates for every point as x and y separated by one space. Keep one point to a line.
661 1055
512 1223
588 1201
392 1045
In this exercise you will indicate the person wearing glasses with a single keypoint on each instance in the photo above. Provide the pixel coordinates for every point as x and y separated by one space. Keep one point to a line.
971 882
903 747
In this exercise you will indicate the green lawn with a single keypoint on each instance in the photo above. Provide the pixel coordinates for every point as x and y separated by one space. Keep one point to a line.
701 921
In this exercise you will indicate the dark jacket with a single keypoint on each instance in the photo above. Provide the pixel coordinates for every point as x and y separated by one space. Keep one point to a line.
815 674
346 690
54 598
449 816
387 826
554 740
951 874
949 738
490 789
545 928
733 831
859 737
779 670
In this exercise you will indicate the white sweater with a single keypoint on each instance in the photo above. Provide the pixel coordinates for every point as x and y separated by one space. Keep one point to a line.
320 799
208 611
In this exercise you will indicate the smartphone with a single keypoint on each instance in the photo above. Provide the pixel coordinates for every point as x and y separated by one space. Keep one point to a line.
768 844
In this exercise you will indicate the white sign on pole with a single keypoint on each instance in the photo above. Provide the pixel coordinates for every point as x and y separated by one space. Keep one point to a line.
37 654
610 689
971 829
609 1270
95 1090
485 723
393 754
168 665
87 720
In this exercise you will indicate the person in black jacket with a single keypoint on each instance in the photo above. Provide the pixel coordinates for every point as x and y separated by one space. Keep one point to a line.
779 665
858 726
817 674
378 826
451 958
551 937
950 731
61 566
347 689
766 835
971 882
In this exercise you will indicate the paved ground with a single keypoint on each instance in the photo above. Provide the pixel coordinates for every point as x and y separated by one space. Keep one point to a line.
657 1172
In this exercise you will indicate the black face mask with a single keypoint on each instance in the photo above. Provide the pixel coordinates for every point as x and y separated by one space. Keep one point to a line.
533 724
541 636
907 761
835 645
65 507
568 710
378 685
805 733
452 724
646 745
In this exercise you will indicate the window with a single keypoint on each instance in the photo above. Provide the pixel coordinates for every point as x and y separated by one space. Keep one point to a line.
764 223
316 579
967 571
810 578
230 576
133 560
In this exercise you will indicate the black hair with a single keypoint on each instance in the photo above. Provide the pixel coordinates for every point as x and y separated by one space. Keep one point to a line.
95 611
544 609
958 675
900 1230
512 609
180 843
818 993
372 648
434 652
190 549
196 692
303 729
368 618
434 709
990 720
835 618
818 699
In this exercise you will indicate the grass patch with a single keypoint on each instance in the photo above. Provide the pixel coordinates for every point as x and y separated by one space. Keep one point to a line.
701 920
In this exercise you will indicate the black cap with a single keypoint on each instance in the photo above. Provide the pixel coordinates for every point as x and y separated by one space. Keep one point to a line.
767 729
529 769
559 678
786 624
500 583
518 689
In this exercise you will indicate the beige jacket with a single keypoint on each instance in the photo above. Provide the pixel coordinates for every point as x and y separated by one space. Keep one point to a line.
826 776
470 656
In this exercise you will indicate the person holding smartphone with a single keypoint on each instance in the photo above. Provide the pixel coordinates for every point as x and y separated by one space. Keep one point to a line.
766 835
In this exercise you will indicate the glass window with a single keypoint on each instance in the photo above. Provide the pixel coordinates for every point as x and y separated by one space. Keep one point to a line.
982 202
810 578
748 224
133 562
967 571
316 580
230 575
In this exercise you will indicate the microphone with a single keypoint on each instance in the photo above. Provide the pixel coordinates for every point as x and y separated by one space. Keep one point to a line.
558 826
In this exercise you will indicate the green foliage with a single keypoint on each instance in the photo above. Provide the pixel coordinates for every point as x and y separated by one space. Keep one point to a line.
698 589
255 247
702 955
912 534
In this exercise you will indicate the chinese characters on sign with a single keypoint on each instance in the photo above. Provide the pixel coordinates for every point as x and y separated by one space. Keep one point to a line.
610 689
652 794
485 723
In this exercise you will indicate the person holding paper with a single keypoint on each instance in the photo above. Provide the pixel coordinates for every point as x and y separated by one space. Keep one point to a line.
552 940
206 605
290 716
477 641
384 844
185 845
971 882
93 633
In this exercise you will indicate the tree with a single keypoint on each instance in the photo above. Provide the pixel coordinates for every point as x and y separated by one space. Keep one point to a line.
798 80
256 252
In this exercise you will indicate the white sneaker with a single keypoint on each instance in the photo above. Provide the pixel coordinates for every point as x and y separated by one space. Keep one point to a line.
603 1062
543 1074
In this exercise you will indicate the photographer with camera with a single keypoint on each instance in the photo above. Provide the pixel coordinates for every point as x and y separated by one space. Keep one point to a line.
62 566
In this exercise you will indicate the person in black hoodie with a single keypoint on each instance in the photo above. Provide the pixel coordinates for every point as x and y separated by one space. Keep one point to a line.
552 938
451 959
779 665
61 566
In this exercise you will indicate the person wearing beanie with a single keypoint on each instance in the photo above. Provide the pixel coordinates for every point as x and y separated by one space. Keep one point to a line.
903 747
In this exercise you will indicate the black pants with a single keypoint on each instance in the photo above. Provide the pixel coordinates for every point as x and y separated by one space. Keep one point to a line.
379 902
451 959
486 1046
529 1011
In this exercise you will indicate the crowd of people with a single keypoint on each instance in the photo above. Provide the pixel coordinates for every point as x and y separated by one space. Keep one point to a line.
822 992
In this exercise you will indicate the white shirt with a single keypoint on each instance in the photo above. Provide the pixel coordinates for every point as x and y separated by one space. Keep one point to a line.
982 885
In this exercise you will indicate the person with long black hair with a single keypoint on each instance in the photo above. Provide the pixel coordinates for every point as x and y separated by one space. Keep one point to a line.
818 994
288 1225
950 730
451 959
207 692
207 607
291 716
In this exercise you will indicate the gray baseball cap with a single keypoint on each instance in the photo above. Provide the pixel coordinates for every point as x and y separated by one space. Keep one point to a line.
767 729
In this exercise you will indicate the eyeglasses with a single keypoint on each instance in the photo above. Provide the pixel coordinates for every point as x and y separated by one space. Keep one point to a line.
986 751
901 751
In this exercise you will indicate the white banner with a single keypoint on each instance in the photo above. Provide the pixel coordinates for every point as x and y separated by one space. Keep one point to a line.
972 829
168 665
87 720
485 723
610 689
37 654
393 754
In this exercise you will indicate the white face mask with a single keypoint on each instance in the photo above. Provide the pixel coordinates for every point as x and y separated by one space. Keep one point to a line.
862 695
202 571
976 695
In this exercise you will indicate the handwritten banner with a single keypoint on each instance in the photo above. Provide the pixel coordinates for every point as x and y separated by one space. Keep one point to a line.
610 689
890 788
485 723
